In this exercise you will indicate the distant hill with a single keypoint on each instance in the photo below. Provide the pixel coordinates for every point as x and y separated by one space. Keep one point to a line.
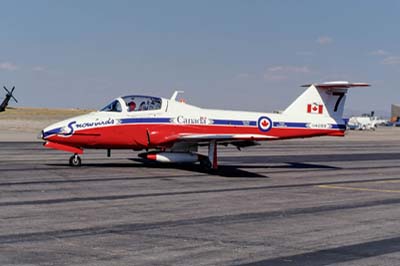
28 113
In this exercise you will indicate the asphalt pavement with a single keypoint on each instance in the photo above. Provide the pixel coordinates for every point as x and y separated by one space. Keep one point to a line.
322 201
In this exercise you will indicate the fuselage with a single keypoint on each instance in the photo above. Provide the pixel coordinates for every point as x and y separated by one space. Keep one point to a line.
165 121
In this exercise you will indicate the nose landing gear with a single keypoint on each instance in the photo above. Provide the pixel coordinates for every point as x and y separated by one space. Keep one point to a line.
75 160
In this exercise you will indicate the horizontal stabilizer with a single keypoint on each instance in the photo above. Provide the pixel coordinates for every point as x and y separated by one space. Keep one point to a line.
322 100
337 84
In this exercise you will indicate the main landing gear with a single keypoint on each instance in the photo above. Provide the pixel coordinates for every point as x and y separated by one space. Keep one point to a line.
210 162
75 160
205 163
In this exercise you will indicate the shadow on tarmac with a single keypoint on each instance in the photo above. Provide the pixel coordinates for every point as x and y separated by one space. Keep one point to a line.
231 170
336 255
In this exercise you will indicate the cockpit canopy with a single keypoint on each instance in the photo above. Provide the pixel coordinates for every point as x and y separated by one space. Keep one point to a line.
133 103
115 106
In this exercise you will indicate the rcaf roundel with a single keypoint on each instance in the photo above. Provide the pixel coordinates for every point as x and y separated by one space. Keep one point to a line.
264 123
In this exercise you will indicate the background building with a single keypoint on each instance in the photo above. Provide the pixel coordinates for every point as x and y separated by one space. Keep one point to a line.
395 112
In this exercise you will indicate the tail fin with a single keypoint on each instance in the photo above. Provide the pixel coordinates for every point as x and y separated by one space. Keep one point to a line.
325 99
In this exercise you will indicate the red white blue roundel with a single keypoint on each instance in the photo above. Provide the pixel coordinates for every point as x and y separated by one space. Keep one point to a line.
264 123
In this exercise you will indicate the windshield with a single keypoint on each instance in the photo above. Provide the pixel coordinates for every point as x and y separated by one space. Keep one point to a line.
142 103
115 106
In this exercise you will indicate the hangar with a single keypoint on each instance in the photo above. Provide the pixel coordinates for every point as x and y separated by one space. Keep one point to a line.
395 115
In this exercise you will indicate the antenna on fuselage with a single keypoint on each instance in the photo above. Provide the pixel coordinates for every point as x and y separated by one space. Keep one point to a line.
173 97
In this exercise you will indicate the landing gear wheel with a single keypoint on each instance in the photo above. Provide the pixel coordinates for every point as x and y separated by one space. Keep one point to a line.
75 161
205 164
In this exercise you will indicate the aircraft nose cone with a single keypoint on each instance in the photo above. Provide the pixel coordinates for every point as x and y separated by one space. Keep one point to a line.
49 131
41 135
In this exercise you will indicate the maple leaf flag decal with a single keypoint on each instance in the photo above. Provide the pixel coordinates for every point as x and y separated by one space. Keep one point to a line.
315 108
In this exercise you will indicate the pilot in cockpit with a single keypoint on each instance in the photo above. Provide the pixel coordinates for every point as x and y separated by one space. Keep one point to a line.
132 106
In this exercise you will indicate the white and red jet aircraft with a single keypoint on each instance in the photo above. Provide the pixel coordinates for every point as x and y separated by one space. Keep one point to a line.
171 131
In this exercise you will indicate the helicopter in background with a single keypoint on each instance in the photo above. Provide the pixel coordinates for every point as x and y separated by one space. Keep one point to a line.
9 95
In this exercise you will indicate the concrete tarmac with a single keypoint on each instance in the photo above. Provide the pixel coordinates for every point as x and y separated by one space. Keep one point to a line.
321 201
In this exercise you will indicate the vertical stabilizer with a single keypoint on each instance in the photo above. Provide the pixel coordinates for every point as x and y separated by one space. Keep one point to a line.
322 100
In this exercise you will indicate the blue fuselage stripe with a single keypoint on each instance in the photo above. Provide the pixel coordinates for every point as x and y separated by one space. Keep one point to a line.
145 120
228 122
290 124
337 126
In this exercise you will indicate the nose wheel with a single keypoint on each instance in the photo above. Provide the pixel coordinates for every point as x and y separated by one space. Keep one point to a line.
75 160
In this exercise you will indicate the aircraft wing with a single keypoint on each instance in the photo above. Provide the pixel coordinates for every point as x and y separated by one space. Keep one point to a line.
238 140
187 141
223 137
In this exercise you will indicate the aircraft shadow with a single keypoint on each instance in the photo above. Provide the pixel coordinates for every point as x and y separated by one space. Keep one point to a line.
231 170
224 171
234 169
290 165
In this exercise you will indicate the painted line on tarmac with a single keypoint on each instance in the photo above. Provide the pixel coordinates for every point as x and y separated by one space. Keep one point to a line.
359 189
388 181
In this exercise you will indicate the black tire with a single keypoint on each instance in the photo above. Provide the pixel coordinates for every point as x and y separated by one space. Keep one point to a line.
75 161
205 163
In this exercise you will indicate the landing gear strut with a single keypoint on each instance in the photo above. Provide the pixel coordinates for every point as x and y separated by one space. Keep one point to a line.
212 155
210 162
75 160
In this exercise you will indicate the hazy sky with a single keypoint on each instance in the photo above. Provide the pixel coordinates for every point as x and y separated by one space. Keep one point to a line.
224 54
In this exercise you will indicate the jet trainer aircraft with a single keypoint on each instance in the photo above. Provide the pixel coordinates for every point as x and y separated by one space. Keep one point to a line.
171 131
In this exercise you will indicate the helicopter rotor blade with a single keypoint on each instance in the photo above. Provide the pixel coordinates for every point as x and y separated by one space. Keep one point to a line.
6 89
10 93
